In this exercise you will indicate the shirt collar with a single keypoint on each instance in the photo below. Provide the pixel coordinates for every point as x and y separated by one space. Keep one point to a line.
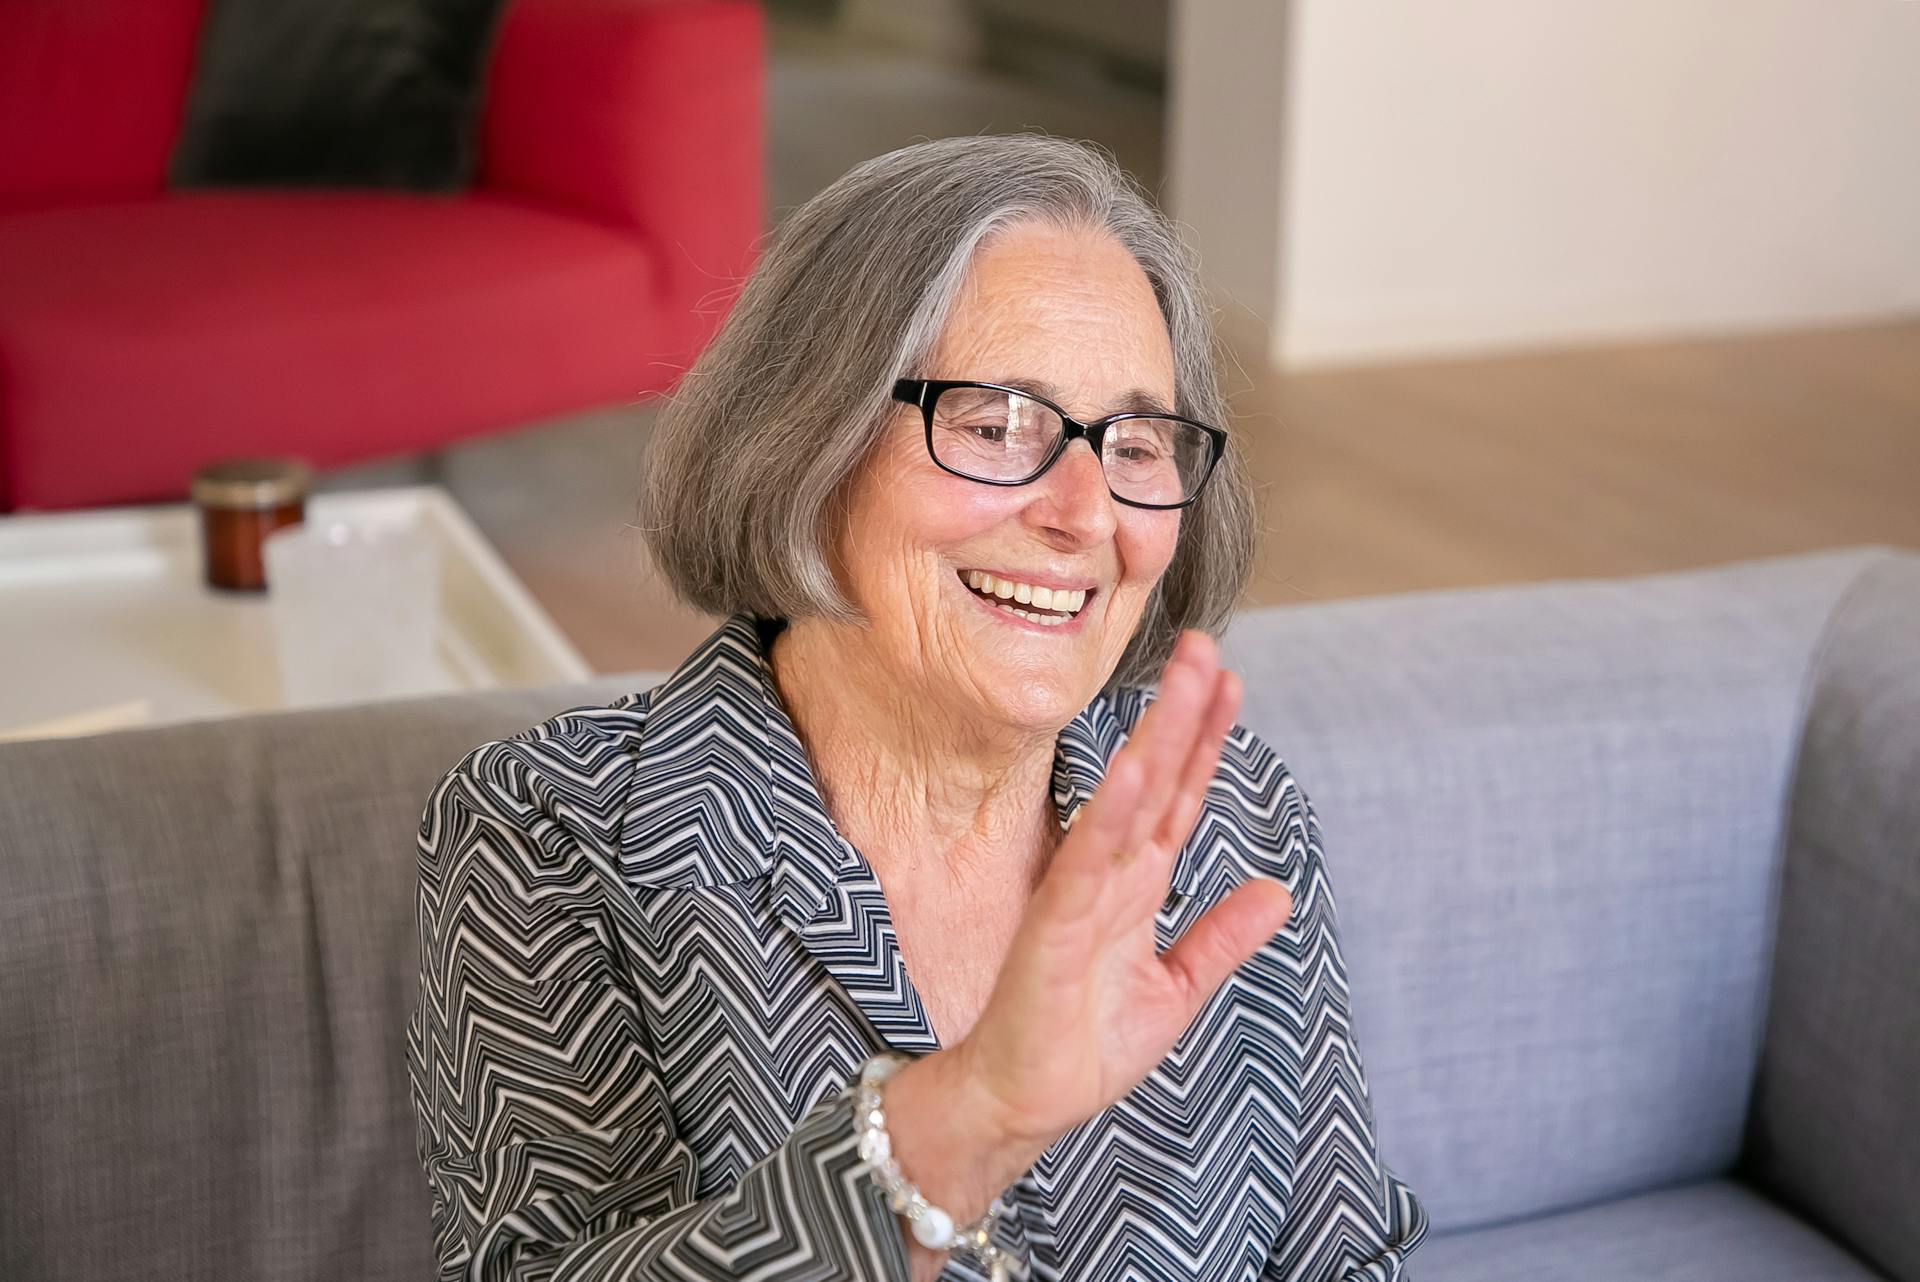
722 791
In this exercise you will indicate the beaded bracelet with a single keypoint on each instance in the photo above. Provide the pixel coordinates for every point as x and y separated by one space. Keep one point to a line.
931 1227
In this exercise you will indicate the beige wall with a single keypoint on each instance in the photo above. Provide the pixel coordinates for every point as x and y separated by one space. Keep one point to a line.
1486 174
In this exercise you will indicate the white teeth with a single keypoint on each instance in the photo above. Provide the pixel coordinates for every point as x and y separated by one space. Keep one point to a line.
1062 599
1045 620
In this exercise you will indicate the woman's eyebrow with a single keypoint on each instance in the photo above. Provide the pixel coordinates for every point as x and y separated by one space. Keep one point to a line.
1133 401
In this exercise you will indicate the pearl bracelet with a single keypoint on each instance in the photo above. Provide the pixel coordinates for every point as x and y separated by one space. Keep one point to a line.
932 1227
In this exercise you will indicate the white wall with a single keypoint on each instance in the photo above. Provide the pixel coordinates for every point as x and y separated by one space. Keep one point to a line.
1486 174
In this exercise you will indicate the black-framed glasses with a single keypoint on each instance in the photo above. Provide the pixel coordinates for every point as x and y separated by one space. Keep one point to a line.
1003 436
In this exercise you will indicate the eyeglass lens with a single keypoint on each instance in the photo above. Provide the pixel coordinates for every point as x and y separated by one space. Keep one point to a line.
1004 436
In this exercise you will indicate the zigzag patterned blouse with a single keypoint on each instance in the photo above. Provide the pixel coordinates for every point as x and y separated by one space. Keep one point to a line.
650 967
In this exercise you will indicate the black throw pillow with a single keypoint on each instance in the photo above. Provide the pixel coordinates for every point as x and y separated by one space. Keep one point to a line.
336 93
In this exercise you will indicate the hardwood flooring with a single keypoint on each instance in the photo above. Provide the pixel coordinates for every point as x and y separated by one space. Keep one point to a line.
1593 461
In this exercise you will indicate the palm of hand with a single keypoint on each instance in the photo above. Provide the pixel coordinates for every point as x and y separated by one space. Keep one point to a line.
1086 1005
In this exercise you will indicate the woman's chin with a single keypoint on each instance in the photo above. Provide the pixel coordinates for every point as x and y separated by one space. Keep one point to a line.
1033 701
1030 675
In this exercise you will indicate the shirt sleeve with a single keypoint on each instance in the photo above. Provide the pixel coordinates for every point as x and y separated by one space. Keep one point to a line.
543 1123
1352 1219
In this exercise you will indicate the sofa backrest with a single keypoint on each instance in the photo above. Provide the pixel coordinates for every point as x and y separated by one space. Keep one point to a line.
92 93
1835 1128
1552 815
208 941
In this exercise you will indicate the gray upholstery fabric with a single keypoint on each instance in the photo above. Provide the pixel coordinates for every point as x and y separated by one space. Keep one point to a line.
1553 819
1717 1231
207 937
1835 1129
1552 816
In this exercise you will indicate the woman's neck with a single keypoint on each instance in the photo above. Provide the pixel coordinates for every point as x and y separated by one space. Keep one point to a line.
921 789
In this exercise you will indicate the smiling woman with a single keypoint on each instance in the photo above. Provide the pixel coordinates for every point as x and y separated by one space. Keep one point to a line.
911 267
859 946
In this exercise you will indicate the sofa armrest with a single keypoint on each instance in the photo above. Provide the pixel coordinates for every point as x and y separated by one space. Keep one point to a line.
1836 1103
65 137
643 113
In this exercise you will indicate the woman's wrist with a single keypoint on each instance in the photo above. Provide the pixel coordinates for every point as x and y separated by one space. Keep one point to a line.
948 1139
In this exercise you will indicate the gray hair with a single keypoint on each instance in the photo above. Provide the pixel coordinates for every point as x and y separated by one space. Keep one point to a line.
749 458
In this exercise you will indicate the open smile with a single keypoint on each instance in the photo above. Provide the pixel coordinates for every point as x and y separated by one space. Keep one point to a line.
1047 606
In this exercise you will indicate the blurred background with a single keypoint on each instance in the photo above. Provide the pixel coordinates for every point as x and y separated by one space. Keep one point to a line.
1516 290
1513 290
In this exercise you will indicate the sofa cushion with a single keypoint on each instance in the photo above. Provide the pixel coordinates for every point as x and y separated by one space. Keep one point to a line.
141 339
1704 1232
1835 1130
91 96
1552 815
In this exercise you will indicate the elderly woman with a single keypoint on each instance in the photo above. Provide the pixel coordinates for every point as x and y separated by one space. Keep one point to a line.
901 932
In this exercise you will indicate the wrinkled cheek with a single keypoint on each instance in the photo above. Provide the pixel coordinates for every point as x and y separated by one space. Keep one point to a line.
930 620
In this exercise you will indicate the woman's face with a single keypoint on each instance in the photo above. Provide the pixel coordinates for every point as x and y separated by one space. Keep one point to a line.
1069 313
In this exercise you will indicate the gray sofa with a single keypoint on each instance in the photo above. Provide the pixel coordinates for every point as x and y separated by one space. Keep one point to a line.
1628 875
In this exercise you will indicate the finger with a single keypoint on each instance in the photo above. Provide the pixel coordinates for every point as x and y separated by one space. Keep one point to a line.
1203 763
1110 832
1082 867
1232 931
1166 732
1164 738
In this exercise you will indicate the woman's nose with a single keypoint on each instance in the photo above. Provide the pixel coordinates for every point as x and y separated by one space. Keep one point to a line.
1074 498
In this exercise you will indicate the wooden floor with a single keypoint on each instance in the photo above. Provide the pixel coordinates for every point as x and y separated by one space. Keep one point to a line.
1597 461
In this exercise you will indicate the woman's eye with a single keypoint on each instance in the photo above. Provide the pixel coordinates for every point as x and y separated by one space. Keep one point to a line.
995 432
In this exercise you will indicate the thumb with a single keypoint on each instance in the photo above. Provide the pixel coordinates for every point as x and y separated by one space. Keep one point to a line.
1232 931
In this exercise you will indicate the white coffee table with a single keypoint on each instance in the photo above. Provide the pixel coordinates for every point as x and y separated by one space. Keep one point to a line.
105 622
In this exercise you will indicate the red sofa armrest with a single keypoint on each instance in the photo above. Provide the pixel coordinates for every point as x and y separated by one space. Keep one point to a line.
643 113
92 93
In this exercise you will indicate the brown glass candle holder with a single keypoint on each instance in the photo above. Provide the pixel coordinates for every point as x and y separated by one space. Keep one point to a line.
241 502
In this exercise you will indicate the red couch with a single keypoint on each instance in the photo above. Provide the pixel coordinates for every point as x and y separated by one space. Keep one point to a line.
144 331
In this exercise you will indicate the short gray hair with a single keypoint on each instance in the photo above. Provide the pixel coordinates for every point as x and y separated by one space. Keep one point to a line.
749 458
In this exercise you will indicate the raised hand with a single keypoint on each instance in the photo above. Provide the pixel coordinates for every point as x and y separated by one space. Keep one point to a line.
1085 1004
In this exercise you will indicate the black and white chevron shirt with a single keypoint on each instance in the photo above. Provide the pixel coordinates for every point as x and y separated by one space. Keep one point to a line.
650 966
